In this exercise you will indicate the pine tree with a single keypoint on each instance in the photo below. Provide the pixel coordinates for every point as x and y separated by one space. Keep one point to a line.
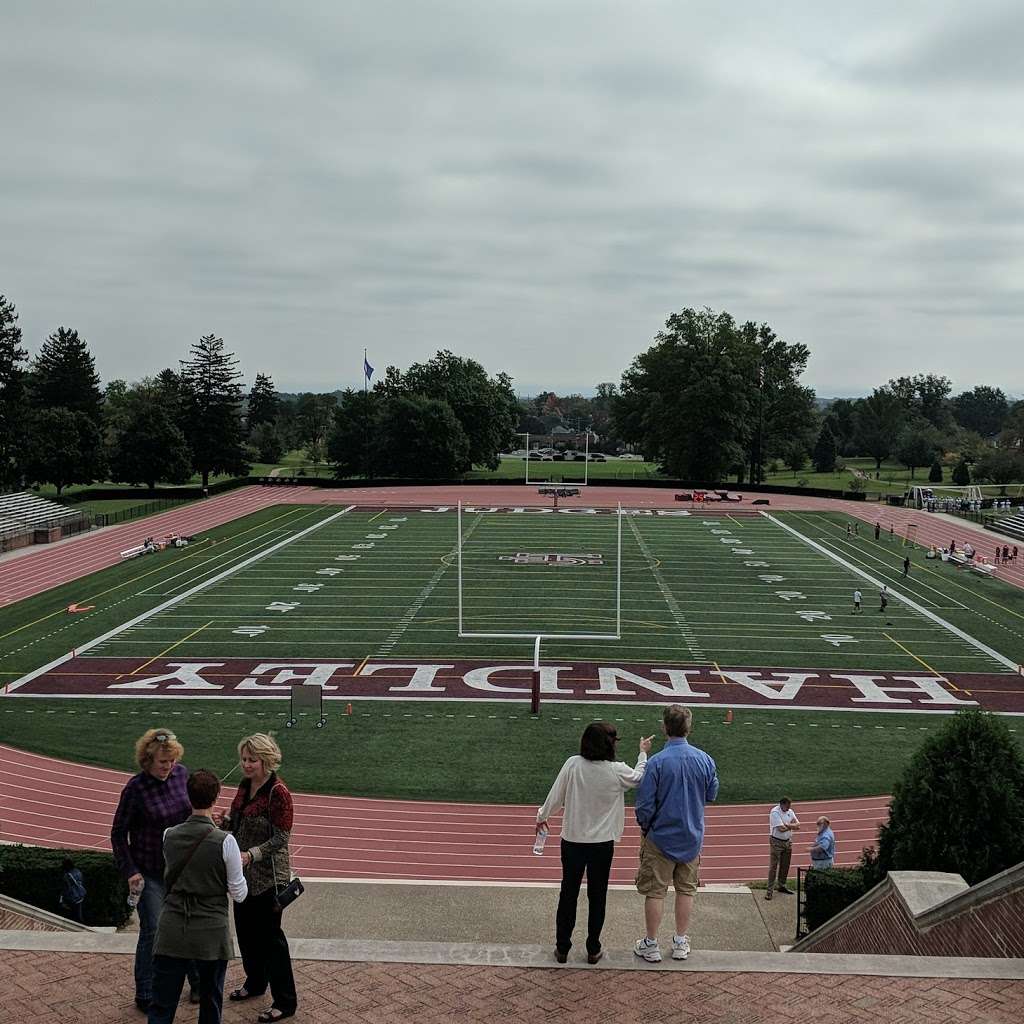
961 474
212 400
264 402
825 451
64 376
935 473
13 403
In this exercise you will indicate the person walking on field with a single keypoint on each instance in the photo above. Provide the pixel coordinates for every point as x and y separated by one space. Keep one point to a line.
856 602
878 530
883 599
782 823
906 566
679 781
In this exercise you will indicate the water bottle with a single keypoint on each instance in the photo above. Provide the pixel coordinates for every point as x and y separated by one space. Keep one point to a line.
538 843
134 892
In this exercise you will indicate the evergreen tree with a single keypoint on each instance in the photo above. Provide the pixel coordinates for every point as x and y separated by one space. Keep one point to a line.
267 443
211 398
959 806
961 474
64 376
13 404
264 403
935 473
824 454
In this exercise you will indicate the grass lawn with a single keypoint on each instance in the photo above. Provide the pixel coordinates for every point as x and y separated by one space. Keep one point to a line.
480 752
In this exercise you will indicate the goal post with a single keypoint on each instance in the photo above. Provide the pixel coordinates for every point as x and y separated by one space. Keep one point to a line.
538 635
586 462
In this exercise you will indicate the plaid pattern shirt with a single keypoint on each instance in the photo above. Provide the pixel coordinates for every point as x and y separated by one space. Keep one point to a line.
147 807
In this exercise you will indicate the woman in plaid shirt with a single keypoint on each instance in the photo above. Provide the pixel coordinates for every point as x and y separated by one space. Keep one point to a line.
152 801
261 821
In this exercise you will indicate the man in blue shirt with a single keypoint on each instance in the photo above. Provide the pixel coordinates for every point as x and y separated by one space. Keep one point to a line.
823 852
679 780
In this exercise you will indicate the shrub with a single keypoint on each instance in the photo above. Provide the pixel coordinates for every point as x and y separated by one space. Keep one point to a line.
961 474
959 805
935 473
32 874
829 892
856 484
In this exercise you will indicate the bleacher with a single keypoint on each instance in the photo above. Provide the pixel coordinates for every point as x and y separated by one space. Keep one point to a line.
1011 526
23 515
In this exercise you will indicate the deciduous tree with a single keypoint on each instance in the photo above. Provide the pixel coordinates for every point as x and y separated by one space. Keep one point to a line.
983 410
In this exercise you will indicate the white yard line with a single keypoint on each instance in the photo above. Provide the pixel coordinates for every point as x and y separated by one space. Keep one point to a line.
896 595
63 659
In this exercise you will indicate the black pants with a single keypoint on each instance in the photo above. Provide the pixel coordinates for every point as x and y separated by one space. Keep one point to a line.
169 977
264 949
596 860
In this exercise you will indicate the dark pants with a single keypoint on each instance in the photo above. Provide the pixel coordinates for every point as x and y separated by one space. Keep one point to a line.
264 949
151 902
596 860
169 976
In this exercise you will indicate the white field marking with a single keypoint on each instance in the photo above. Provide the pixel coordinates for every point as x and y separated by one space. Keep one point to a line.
685 630
82 648
897 596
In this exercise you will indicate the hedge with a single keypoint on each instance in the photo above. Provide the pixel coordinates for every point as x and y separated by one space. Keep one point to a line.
829 892
33 875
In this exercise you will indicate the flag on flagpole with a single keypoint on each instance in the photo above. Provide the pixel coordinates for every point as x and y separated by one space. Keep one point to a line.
367 368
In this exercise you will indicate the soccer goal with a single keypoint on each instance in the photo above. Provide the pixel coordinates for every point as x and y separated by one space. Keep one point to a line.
941 495
586 462
541 573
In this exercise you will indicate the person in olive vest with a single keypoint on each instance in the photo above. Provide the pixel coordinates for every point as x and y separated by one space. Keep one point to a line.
204 867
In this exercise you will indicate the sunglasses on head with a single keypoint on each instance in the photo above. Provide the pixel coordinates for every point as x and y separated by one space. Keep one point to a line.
164 737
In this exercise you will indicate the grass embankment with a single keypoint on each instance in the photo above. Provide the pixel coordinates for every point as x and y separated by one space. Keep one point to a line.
482 752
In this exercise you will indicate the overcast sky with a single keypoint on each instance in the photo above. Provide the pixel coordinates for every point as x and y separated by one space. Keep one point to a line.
536 185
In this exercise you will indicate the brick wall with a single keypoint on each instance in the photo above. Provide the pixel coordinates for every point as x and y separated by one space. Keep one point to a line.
12 920
984 921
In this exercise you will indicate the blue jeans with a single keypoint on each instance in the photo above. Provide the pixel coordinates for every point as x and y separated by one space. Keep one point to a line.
169 976
151 902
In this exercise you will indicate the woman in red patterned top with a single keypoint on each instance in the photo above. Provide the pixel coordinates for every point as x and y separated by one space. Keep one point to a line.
261 821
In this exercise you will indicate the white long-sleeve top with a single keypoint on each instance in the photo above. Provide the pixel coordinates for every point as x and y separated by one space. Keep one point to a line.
592 794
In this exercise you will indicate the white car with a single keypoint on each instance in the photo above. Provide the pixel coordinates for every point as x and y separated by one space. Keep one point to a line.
627 457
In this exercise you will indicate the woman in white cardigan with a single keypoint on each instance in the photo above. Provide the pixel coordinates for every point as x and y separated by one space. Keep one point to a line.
590 787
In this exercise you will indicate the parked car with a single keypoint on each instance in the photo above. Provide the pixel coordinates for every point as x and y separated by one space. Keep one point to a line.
597 457
627 456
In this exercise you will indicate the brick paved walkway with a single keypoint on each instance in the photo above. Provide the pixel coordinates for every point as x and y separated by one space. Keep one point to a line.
73 988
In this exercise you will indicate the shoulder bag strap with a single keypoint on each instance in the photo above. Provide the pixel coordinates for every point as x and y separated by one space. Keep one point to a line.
170 883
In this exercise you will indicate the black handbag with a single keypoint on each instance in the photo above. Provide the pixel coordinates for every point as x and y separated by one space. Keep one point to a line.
284 895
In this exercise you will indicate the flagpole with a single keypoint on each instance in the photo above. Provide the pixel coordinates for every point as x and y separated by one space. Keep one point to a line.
366 419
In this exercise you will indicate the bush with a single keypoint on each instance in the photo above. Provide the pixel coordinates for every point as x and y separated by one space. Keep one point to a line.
829 892
856 484
935 473
959 805
961 474
32 874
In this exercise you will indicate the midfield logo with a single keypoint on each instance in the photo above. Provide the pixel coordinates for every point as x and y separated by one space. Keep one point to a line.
551 558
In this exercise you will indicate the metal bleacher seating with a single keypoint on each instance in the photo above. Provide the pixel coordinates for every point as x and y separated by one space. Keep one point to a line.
23 512
1011 526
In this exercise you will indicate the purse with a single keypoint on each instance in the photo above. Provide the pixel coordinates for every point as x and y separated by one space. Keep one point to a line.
284 895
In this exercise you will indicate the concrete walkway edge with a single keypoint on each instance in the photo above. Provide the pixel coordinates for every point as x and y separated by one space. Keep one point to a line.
472 954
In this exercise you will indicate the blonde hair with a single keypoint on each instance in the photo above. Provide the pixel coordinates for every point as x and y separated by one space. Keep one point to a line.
154 743
263 746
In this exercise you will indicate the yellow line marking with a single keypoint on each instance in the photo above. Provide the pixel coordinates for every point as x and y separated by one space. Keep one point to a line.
736 521
377 516
921 661
361 664
142 576
177 643
725 682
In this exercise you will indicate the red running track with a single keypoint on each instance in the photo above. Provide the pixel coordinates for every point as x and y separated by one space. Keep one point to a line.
47 802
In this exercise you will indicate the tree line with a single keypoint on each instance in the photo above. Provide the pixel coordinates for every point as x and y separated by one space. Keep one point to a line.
709 399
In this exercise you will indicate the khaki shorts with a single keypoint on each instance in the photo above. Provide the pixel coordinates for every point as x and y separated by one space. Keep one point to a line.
657 872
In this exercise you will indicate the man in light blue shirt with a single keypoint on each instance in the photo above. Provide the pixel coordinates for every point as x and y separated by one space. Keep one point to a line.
679 780
823 852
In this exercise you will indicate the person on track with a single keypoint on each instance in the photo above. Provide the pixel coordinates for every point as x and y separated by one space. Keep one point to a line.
590 786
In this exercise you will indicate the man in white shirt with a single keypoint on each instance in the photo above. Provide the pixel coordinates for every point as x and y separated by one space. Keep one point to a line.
782 823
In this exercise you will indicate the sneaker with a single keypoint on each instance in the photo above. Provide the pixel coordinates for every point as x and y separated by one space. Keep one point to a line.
648 950
768 895
786 889
561 957
593 958
680 947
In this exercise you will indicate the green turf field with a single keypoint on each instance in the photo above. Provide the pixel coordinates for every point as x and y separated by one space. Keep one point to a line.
727 589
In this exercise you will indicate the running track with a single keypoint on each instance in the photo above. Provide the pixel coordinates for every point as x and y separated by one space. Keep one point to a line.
40 570
47 802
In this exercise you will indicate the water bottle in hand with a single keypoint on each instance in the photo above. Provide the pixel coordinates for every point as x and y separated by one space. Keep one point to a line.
538 843
135 891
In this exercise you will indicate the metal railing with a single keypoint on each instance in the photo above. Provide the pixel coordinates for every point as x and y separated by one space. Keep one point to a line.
125 515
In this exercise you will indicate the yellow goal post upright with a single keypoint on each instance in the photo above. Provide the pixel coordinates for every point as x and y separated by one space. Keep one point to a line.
536 636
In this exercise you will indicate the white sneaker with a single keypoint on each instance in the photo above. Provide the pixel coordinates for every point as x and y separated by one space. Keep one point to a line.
680 947
648 950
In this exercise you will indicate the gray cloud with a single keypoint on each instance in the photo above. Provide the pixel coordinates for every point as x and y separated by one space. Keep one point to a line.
534 185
